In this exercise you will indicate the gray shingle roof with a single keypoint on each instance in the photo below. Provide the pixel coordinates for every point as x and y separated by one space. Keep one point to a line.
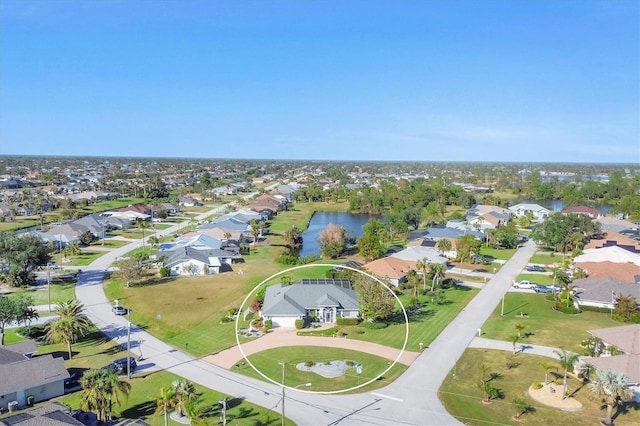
295 299
31 372
600 289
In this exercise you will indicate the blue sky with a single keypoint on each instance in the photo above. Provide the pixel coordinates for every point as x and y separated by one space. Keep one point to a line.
511 80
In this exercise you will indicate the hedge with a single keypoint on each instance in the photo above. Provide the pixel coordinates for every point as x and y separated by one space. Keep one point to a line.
347 321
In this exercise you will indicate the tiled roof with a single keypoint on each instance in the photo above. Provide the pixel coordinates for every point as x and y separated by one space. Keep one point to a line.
625 337
626 272
627 364
390 267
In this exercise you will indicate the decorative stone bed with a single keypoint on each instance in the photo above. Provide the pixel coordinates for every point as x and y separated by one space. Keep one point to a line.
551 395
329 369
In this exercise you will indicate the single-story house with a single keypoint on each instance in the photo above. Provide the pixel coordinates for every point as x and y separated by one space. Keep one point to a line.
417 253
391 269
626 272
602 292
610 239
627 339
24 375
189 261
54 414
323 300
613 254
593 213
536 210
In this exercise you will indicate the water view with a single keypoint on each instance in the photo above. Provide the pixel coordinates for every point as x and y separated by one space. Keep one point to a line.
353 223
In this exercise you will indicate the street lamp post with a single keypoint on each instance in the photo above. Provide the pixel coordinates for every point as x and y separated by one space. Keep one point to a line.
128 343
282 364
223 415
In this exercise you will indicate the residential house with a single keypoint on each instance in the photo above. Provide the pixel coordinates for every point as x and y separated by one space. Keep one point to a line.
25 376
625 338
390 269
611 239
188 201
626 272
602 292
323 299
196 241
54 414
418 253
537 212
613 254
613 224
593 213
190 261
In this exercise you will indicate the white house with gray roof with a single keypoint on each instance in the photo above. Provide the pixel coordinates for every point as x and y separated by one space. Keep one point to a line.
536 210
189 261
322 300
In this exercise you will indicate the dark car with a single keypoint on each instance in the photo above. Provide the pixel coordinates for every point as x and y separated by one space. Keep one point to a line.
120 365
119 310
536 268
543 289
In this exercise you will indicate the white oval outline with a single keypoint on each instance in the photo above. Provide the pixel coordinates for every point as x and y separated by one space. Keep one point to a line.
311 265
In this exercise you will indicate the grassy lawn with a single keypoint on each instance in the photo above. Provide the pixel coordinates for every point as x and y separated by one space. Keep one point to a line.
463 399
544 325
504 254
546 258
536 278
110 243
60 292
372 366
424 326
85 258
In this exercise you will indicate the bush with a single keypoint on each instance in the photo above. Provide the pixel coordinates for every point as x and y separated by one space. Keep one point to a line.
299 324
286 258
268 325
561 307
595 309
164 272
309 363
347 321
350 363
536 385
374 325
233 311
340 333
226 319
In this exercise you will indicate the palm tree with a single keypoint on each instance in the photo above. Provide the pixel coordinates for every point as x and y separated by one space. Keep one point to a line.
514 340
444 245
519 329
29 315
422 265
70 324
184 392
255 230
437 270
546 368
490 392
610 387
101 389
165 402
521 407
567 362
142 225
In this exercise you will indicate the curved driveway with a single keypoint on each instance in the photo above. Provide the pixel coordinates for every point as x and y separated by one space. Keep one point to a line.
411 400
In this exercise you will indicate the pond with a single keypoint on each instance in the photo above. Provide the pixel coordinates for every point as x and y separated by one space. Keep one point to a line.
353 223
558 205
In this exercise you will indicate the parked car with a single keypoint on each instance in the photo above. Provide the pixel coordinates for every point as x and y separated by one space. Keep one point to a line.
535 268
120 365
543 289
525 284
119 310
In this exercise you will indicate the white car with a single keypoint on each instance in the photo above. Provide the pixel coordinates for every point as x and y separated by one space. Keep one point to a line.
525 284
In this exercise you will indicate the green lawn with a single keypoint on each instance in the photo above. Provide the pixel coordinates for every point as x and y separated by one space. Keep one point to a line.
372 367
85 258
544 325
536 278
60 292
463 399
546 258
424 325
110 243
504 254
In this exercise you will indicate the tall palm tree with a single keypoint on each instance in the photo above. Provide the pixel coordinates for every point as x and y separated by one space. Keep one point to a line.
519 329
437 270
547 367
444 245
142 225
422 265
184 392
567 362
514 340
255 230
101 390
610 387
70 325
165 402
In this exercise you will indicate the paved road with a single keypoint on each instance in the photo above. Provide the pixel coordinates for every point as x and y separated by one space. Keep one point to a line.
410 400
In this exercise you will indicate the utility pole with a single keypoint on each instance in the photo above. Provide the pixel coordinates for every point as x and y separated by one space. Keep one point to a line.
128 343
224 411
49 284
283 364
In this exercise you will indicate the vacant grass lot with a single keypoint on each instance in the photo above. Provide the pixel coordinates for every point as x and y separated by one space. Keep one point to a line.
372 366
463 399
544 325
546 258
60 292
504 254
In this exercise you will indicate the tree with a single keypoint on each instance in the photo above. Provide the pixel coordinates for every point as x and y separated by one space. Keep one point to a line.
24 310
490 392
184 392
20 256
142 225
422 265
255 230
8 313
521 408
466 246
100 391
519 329
437 271
370 247
546 367
514 341
611 388
86 238
376 301
333 241
293 238
129 270
165 402
626 308
444 245
567 362
70 325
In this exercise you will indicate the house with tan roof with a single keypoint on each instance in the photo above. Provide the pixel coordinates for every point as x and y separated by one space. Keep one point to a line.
626 272
391 269
614 239
627 339
613 254
592 212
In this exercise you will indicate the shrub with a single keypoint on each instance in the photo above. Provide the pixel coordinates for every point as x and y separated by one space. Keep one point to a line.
299 324
595 309
340 333
268 325
376 325
561 307
309 363
350 363
226 319
164 272
536 385
347 321
233 311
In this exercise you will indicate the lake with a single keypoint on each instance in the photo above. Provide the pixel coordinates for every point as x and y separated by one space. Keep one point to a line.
558 205
353 223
